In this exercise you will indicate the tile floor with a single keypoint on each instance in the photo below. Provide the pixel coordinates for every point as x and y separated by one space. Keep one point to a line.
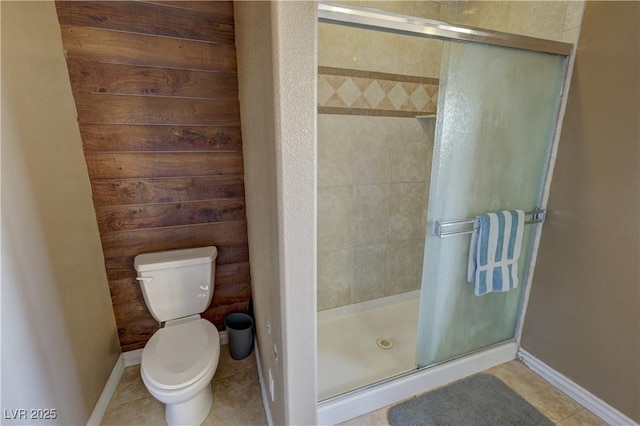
236 397
557 406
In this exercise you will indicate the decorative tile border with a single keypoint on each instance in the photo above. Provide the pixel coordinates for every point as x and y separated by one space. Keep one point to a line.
355 92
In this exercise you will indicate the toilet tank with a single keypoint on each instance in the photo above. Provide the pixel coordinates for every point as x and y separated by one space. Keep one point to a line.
177 283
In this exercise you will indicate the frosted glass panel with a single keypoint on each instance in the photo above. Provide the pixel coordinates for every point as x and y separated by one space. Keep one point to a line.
496 114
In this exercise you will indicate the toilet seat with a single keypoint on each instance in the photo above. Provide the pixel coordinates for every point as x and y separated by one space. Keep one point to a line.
179 355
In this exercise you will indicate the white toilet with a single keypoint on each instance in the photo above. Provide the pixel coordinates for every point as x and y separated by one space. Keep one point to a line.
179 360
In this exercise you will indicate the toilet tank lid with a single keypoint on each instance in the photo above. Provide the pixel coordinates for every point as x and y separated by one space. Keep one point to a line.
174 258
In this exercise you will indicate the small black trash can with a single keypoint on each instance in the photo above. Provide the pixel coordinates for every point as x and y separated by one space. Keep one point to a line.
240 333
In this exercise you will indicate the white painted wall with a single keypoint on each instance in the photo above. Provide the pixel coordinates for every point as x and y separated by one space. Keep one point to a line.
276 43
59 337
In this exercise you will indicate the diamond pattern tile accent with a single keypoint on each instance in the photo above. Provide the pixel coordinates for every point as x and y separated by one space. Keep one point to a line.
398 96
420 97
349 92
356 91
374 94
325 91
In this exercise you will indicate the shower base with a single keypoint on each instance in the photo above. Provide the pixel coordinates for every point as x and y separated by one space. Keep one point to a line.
349 355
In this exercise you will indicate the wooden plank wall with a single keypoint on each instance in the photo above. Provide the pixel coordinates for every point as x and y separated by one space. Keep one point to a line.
156 91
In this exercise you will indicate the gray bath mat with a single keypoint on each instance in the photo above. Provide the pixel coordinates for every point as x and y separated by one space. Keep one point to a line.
478 400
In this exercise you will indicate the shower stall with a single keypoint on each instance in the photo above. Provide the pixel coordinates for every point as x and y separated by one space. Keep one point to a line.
422 125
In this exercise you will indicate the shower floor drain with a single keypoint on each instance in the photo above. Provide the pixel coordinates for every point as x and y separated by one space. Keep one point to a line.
384 343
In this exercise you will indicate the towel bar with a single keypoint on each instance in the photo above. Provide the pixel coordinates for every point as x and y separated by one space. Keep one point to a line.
439 227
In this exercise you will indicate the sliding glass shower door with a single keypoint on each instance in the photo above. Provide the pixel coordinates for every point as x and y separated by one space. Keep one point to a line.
497 112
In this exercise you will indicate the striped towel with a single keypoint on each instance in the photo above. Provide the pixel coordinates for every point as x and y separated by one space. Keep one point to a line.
494 251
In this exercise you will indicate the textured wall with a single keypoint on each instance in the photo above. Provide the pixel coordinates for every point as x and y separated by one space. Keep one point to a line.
155 87
255 75
276 59
59 339
584 309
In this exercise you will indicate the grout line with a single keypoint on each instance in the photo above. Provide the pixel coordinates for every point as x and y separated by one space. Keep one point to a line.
570 415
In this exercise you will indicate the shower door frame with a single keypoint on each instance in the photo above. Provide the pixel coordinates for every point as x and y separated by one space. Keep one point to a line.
373 19
376 395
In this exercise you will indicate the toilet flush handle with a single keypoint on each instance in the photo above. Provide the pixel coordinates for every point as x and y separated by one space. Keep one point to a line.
145 279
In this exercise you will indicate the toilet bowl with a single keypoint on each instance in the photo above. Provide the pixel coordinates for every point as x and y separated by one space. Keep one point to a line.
178 364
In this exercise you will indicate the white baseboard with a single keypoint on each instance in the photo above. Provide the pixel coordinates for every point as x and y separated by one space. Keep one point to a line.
107 393
263 388
224 337
132 357
588 400
354 404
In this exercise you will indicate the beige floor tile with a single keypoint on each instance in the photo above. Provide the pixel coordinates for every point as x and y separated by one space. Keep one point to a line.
130 388
582 418
541 394
141 412
374 418
237 401
228 366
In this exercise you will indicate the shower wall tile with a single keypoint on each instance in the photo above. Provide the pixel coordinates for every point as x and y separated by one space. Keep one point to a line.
412 153
573 17
371 214
335 217
336 47
543 19
425 9
378 51
404 266
335 149
419 56
449 11
407 211
370 273
335 278
482 14
373 148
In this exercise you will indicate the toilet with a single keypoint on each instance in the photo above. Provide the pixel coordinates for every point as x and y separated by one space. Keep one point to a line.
179 360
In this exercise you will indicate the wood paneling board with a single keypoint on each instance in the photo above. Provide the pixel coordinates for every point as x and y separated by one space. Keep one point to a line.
216 314
124 109
125 290
134 311
232 273
156 92
131 243
230 295
141 49
125 165
222 8
109 137
124 218
134 335
165 190
97 77
147 18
